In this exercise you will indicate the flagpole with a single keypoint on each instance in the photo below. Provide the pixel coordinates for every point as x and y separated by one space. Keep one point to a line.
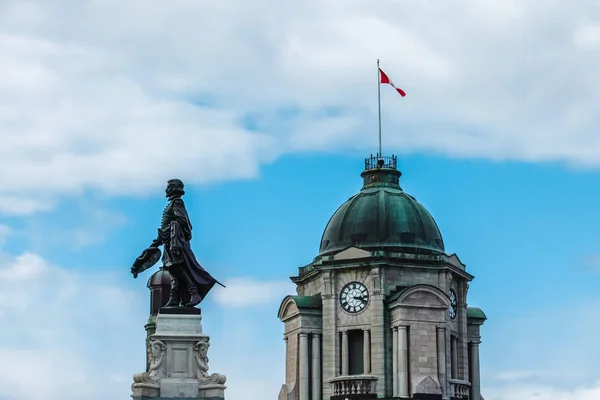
379 107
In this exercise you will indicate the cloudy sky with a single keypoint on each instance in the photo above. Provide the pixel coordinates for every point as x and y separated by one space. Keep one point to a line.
265 109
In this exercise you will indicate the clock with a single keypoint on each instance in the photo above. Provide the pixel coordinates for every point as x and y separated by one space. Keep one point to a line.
354 297
452 309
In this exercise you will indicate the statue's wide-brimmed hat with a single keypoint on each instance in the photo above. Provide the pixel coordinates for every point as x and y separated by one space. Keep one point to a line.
147 259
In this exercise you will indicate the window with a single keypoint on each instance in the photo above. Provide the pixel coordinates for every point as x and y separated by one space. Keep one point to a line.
356 340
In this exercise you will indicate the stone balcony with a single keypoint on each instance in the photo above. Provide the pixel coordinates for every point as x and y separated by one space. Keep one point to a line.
459 390
353 387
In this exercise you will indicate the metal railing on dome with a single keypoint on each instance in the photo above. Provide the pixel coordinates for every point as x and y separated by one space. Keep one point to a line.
377 161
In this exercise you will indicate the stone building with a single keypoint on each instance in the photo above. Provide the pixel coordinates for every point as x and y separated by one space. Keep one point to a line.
381 311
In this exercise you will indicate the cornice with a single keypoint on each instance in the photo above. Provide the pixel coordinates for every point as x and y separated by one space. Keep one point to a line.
377 261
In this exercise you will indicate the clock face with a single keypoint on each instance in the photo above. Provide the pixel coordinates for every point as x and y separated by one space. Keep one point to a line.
354 297
452 310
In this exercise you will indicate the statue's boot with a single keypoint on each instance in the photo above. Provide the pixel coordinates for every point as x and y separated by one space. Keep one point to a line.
195 298
175 294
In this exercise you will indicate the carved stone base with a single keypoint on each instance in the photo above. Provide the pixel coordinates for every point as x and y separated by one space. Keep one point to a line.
178 367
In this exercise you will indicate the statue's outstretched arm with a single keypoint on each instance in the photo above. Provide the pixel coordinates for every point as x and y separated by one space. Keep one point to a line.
159 240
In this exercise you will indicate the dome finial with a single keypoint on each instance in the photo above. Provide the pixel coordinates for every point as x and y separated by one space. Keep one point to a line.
381 171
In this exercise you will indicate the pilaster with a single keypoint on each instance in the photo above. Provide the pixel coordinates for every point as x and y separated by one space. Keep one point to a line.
441 359
330 334
403 361
378 345
395 360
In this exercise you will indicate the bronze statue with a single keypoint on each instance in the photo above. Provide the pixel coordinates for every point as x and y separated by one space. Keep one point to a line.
174 234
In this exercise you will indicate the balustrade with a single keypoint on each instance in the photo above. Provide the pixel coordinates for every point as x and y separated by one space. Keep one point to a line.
459 390
349 386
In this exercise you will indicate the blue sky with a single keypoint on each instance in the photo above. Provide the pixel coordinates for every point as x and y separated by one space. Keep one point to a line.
526 231
266 113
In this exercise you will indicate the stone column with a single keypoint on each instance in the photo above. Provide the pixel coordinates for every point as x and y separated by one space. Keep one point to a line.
403 364
475 379
395 360
303 373
316 366
345 360
367 352
441 358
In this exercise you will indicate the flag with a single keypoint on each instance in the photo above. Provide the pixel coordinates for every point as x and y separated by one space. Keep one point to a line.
386 79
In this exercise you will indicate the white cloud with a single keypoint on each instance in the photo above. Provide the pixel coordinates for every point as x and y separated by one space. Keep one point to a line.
85 224
97 225
108 95
247 292
550 361
22 205
513 375
72 335
587 36
533 357
540 392
64 334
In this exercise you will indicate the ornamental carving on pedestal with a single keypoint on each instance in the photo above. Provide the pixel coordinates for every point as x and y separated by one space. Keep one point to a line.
156 351
201 356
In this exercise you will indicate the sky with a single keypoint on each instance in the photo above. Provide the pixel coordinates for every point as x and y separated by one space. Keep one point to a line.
266 111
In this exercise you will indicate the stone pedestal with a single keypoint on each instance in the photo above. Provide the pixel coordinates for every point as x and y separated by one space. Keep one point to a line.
178 361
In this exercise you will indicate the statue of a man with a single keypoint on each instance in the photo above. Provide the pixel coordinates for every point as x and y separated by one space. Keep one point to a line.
174 234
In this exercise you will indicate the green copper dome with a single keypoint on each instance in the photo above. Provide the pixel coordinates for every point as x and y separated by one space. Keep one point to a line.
382 215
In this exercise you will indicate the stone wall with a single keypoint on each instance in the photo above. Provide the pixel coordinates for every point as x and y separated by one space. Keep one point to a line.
420 311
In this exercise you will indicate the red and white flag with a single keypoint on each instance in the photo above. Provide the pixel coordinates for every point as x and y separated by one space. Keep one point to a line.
386 79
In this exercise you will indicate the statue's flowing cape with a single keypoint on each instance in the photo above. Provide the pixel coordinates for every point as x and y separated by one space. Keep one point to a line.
178 250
